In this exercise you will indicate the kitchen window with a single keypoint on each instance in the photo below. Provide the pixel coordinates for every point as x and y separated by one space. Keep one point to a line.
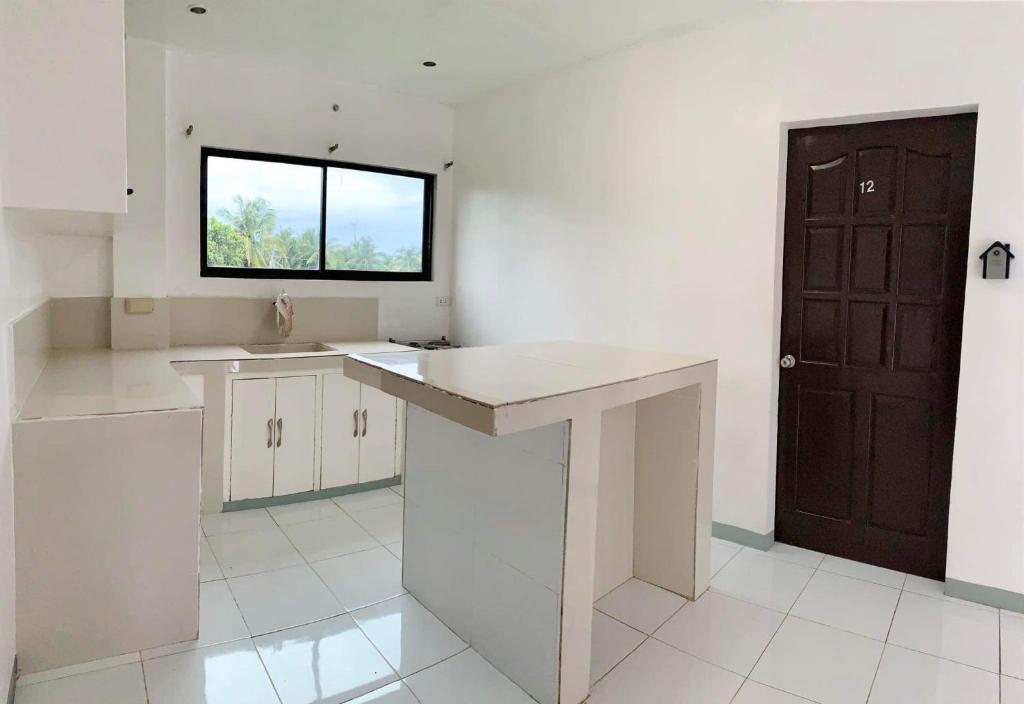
268 216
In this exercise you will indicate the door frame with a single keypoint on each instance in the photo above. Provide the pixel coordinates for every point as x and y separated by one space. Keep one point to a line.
780 238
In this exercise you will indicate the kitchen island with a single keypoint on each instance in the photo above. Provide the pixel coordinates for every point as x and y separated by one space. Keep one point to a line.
540 476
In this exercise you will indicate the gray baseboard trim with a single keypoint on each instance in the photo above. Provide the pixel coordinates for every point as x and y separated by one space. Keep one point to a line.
990 596
14 680
244 504
734 534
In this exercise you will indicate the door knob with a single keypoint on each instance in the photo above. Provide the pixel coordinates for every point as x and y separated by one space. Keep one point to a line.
787 362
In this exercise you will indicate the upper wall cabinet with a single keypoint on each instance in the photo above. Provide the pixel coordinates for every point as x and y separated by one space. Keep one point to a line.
63 83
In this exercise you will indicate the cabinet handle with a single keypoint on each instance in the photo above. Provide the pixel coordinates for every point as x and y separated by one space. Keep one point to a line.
280 429
355 423
364 422
270 432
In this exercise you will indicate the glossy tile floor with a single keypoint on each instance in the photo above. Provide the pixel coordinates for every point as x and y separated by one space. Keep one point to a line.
302 604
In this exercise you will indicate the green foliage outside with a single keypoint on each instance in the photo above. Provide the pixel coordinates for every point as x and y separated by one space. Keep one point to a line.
248 237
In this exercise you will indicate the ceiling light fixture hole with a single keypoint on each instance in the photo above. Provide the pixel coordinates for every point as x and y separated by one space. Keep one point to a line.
430 64
197 9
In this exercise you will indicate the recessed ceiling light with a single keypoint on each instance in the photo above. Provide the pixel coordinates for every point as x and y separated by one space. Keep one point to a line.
430 64
197 9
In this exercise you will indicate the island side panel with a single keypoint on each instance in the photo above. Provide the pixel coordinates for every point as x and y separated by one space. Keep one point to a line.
615 499
580 559
484 540
673 499
107 525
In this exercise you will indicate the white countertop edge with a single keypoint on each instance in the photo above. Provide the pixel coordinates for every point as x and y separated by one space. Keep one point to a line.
498 417
156 366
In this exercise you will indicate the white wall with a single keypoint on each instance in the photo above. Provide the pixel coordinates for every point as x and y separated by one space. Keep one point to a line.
241 105
636 199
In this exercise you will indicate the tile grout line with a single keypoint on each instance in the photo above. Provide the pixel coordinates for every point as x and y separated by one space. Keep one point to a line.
348 613
145 684
345 611
885 643
814 571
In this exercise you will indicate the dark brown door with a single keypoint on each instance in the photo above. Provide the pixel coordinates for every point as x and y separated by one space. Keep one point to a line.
877 219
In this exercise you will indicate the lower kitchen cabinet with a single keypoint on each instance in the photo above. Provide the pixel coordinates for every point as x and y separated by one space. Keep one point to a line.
360 433
339 460
295 435
253 404
273 425
300 433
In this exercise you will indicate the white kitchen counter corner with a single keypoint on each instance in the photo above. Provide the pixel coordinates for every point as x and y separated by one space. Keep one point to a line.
540 476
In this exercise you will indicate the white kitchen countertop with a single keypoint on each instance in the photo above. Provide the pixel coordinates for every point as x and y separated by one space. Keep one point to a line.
103 382
505 374
480 386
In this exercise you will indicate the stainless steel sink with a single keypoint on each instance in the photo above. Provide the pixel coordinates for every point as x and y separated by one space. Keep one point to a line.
288 348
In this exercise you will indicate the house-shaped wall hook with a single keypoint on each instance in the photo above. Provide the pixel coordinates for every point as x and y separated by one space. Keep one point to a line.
995 261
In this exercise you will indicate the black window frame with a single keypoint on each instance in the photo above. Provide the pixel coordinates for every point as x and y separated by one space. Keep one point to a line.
322 273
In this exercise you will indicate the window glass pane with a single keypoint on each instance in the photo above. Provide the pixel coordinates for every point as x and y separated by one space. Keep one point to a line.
374 221
262 214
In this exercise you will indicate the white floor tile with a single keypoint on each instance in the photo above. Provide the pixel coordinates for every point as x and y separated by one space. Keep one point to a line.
362 500
221 674
209 570
761 580
398 489
848 604
756 693
236 521
328 661
78 669
906 676
641 605
383 523
721 630
253 551
394 693
721 552
1011 652
820 663
947 629
860 570
395 549
409 636
220 621
272 601
610 642
1012 690
362 578
303 511
465 679
791 553
328 537
658 674
115 685
936 589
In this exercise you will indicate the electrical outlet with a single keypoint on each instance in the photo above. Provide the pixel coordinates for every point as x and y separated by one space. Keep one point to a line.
443 301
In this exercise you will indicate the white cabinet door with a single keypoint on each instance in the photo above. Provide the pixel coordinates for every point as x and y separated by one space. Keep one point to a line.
65 75
377 436
339 459
294 444
252 438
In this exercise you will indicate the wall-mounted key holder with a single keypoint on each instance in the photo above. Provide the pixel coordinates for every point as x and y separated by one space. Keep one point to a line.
995 261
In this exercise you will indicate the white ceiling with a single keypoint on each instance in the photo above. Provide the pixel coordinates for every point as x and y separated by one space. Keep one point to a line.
478 45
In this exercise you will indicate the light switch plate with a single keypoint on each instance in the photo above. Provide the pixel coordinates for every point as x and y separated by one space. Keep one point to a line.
139 306
443 301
